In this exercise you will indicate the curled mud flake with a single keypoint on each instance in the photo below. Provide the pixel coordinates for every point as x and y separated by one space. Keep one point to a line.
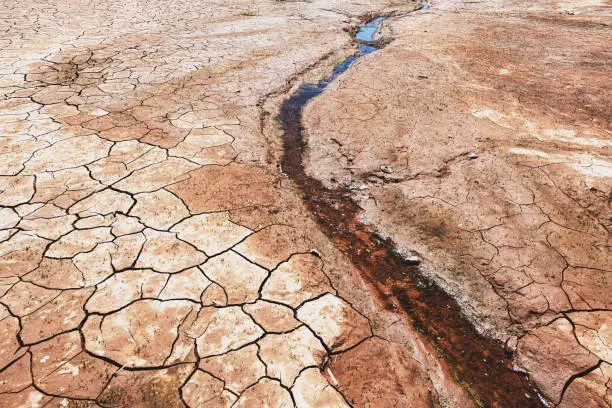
386 169
286 355
335 321
239 278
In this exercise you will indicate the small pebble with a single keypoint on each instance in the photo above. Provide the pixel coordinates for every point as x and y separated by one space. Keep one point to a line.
386 169
315 253
421 76
472 155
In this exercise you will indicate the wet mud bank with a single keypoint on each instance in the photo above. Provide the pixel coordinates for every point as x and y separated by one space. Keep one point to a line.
481 364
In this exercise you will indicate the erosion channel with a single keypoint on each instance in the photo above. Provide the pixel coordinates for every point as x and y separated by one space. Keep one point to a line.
481 364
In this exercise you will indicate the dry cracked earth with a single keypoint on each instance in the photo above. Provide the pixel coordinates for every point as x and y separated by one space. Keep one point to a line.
152 253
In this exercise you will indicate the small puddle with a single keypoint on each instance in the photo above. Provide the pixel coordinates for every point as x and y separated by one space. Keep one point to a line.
480 363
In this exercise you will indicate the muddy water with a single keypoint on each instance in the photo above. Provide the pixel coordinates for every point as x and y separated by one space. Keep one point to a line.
481 364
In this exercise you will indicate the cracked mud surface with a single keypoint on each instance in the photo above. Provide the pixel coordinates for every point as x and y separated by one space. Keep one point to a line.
484 153
151 253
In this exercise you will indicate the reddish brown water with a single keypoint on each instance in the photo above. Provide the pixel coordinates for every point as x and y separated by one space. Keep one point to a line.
480 363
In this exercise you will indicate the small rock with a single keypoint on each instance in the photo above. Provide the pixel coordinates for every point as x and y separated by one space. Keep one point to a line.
386 169
421 76
472 155
315 253
351 187
413 259
363 187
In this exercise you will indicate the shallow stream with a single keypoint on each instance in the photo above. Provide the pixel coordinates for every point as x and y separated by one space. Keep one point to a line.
480 363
